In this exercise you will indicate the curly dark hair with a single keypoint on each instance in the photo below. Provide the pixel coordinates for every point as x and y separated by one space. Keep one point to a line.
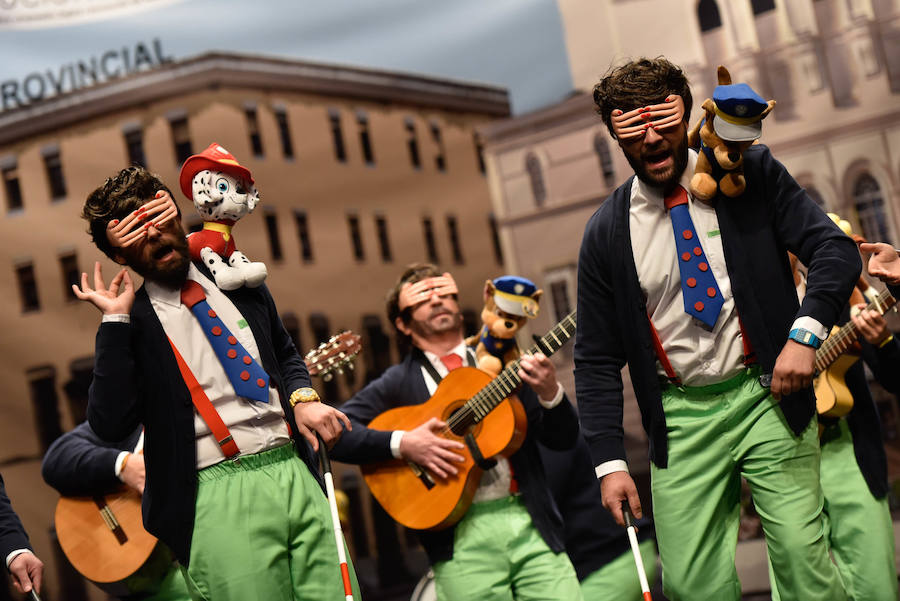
638 83
118 196
412 274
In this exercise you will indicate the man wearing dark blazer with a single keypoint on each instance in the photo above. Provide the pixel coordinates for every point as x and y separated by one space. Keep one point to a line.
80 463
25 569
509 545
702 309
233 493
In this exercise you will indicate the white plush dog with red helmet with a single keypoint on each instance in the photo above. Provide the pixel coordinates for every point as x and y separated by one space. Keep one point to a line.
223 191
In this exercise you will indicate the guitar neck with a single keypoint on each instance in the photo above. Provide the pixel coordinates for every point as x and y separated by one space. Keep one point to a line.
508 380
838 343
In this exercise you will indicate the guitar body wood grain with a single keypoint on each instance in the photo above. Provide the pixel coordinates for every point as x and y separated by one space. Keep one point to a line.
833 398
398 488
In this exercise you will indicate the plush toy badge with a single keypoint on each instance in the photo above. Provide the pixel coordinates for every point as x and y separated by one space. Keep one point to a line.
223 191
733 122
509 301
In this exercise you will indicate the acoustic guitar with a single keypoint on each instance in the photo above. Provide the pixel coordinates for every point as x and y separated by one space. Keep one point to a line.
481 413
833 398
103 536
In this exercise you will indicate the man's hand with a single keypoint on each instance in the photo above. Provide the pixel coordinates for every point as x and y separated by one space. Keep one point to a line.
133 473
794 369
615 488
26 571
108 300
872 325
539 372
321 418
884 263
426 447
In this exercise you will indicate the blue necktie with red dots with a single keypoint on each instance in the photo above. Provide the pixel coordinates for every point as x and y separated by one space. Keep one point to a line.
702 297
247 377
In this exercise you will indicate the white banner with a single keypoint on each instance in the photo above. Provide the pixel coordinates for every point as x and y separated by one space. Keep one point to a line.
34 14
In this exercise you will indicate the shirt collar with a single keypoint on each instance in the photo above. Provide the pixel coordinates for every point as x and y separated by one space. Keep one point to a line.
172 297
459 349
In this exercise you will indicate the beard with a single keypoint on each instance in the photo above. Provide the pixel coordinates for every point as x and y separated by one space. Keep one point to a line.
439 321
667 177
156 265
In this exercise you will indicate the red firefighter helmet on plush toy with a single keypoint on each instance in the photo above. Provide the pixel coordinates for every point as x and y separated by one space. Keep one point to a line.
214 158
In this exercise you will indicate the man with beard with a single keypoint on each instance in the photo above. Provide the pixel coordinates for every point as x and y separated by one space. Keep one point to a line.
650 255
225 488
509 545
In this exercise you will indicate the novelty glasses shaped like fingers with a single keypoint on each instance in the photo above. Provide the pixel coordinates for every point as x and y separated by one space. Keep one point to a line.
421 291
634 123
127 231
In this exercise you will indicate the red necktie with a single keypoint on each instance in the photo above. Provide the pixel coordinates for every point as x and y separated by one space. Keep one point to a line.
451 361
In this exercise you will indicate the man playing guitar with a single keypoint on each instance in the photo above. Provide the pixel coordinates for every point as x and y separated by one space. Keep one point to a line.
509 544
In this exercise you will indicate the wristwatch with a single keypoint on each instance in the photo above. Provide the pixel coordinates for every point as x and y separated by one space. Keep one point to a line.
805 337
304 395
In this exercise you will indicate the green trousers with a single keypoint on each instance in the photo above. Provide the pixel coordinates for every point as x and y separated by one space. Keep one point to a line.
618 580
716 435
263 532
859 527
498 555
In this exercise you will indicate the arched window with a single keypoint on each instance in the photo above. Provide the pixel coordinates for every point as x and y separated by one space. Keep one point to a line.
869 205
762 6
708 15
536 176
601 147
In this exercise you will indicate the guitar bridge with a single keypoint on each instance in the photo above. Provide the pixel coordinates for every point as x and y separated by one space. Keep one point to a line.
421 474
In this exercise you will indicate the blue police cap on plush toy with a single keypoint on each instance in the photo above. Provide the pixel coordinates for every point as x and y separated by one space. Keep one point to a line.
739 112
514 295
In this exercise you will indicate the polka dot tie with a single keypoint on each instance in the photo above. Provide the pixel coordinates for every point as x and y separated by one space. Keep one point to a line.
247 377
702 297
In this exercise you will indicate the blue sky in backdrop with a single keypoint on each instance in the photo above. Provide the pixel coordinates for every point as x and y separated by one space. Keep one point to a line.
516 44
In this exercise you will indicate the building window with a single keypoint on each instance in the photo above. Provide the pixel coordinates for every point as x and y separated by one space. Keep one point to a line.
272 231
412 143
817 197
495 239
68 265
134 144
13 191
384 241
42 385
181 139
377 345
321 331
337 135
53 165
479 153
253 130
453 232
355 237
300 220
708 15
869 204
28 292
430 244
762 6
601 147
561 283
536 177
292 327
365 140
284 132
439 161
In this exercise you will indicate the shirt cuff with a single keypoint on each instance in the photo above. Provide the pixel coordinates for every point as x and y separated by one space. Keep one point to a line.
120 462
15 554
116 318
813 325
556 400
396 437
608 467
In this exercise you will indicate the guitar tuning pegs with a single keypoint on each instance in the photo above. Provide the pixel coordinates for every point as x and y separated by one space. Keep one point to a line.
328 376
351 366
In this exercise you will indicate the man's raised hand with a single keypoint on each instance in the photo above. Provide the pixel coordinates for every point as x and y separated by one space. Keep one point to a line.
113 300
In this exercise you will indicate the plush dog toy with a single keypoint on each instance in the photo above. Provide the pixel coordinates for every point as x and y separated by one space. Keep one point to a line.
509 301
732 123
223 191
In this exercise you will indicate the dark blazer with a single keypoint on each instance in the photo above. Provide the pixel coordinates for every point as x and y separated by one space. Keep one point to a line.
773 216
80 463
12 533
403 385
137 381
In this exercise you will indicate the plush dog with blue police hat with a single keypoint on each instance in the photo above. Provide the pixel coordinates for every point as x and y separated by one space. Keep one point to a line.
509 302
732 122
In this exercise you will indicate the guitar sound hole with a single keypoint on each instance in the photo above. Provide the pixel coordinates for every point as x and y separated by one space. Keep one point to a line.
459 421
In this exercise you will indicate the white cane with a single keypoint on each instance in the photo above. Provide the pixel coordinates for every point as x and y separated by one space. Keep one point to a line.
635 550
335 520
